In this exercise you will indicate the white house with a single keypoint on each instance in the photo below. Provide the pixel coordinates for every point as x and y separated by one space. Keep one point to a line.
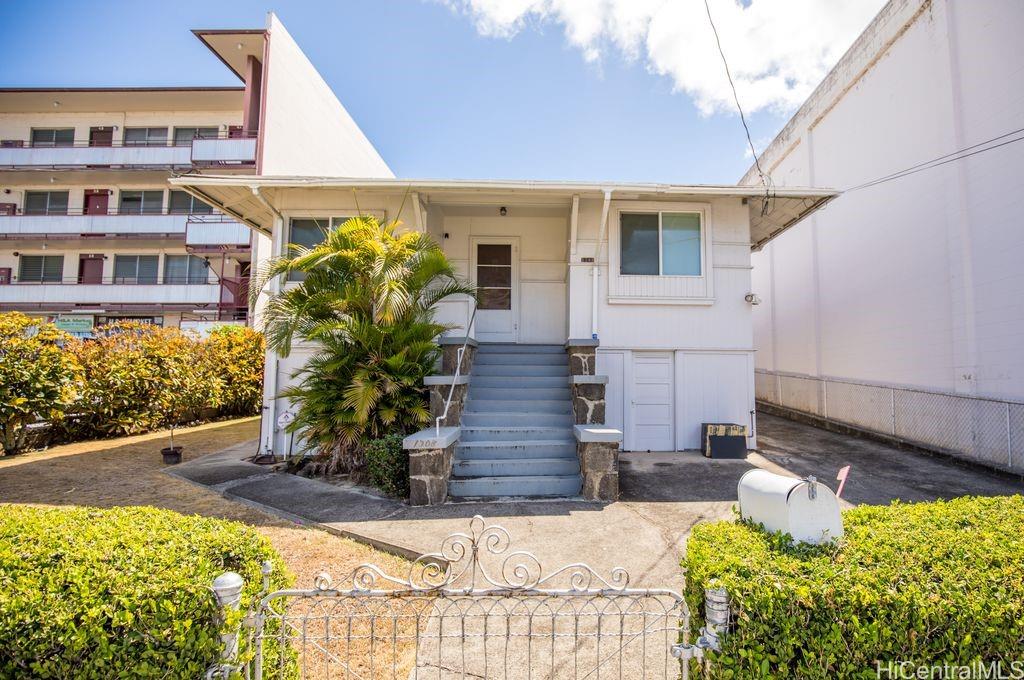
899 308
656 276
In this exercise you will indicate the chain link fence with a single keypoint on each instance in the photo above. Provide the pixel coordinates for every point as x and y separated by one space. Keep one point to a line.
988 431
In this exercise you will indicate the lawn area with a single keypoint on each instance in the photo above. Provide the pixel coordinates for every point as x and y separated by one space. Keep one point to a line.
128 471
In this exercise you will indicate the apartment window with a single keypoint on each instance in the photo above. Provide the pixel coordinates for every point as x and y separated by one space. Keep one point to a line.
145 136
183 136
46 203
184 269
660 244
142 202
53 137
136 268
40 268
183 203
309 233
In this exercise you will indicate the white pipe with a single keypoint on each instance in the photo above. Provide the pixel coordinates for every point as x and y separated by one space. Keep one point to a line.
272 361
597 262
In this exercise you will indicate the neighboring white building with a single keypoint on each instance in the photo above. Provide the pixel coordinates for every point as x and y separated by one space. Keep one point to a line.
90 231
917 281
669 266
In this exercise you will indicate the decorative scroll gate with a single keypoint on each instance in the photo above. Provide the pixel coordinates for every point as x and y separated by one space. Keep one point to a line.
468 611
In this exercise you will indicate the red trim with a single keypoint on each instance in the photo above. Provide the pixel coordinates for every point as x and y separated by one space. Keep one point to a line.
184 88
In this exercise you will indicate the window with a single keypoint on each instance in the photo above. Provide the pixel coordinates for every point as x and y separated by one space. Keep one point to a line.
40 268
145 136
136 268
142 202
53 137
46 203
494 275
309 233
183 203
184 269
183 136
664 243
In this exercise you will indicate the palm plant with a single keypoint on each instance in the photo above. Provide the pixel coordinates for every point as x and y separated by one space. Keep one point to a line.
366 302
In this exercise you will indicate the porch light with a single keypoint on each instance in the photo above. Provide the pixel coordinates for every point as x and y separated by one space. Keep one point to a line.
503 211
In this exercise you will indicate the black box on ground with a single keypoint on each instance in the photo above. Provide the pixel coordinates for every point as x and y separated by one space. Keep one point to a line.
723 440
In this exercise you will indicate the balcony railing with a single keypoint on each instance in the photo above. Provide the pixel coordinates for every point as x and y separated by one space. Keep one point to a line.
118 291
200 230
221 150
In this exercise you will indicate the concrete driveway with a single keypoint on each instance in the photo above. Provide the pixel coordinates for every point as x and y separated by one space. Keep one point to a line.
663 496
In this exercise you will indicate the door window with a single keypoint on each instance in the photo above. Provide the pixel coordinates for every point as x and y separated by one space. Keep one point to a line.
494 275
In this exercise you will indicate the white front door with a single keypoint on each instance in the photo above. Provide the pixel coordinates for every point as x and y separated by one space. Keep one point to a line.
652 403
496 275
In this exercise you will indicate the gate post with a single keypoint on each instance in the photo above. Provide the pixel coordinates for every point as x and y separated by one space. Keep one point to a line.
716 620
227 588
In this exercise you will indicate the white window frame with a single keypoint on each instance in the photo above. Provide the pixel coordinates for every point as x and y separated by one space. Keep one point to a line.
673 289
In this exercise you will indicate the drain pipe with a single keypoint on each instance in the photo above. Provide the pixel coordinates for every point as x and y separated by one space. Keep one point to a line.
274 361
597 263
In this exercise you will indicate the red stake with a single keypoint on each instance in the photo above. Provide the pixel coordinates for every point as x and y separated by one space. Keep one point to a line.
843 473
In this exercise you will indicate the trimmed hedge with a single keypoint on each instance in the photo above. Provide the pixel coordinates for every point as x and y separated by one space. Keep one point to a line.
119 593
925 583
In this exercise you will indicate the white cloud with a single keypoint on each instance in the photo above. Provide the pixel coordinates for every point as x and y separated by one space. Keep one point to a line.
778 50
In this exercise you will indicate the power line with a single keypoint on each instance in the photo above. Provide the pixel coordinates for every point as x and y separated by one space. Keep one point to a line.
942 160
765 180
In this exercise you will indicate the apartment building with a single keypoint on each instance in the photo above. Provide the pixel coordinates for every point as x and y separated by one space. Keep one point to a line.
91 232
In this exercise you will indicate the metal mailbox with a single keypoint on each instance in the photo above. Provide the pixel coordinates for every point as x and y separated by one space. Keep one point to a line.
803 508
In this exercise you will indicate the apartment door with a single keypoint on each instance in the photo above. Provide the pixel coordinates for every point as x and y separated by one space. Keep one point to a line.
90 268
5 275
101 136
496 275
235 131
652 402
96 201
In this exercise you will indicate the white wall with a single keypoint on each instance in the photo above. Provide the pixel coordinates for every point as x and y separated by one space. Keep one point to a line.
305 129
916 281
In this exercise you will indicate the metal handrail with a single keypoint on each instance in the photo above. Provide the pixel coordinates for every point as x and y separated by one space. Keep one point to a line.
458 370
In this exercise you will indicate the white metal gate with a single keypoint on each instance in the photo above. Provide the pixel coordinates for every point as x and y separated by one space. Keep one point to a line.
471 610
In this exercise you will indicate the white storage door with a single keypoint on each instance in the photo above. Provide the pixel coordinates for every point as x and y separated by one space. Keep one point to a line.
652 402
712 388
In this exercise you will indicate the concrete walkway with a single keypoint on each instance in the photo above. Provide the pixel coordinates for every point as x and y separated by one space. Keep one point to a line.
663 496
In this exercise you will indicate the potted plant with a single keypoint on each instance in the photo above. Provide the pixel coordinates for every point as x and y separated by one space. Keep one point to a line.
186 389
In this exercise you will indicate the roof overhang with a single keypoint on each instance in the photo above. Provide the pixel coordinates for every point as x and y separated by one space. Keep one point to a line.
246 198
91 99
234 46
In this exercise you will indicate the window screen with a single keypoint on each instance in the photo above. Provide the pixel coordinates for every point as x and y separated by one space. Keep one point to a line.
52 137
184 269
135 268
40 268
142 202
680 244
639 244
184 203
46 203
144 136
667 244
494 275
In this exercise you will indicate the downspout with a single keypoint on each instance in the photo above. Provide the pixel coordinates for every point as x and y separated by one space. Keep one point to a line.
274 361
597 262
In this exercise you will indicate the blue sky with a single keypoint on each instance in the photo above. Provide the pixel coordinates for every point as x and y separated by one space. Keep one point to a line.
435 93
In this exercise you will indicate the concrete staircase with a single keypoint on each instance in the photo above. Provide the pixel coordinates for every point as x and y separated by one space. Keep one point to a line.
517 437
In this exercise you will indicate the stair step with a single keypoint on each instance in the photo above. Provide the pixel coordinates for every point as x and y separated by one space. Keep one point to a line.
504 348
519 358
518 405
511 418
538 448
518 370
546 485
515 433
515 382
519 393
515 467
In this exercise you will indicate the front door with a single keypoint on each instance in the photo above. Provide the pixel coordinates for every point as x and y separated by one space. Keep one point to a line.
652 402
96 201
101 136
496 275
5 275
90 269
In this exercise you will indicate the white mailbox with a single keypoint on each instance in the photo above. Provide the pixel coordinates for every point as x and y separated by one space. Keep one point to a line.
803 508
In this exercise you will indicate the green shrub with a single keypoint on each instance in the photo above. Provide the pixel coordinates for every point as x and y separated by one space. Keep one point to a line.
238 352
39 380
89 593
925 583
387 465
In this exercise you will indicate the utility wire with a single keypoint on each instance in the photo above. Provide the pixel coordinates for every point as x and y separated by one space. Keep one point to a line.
942 160
765 179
